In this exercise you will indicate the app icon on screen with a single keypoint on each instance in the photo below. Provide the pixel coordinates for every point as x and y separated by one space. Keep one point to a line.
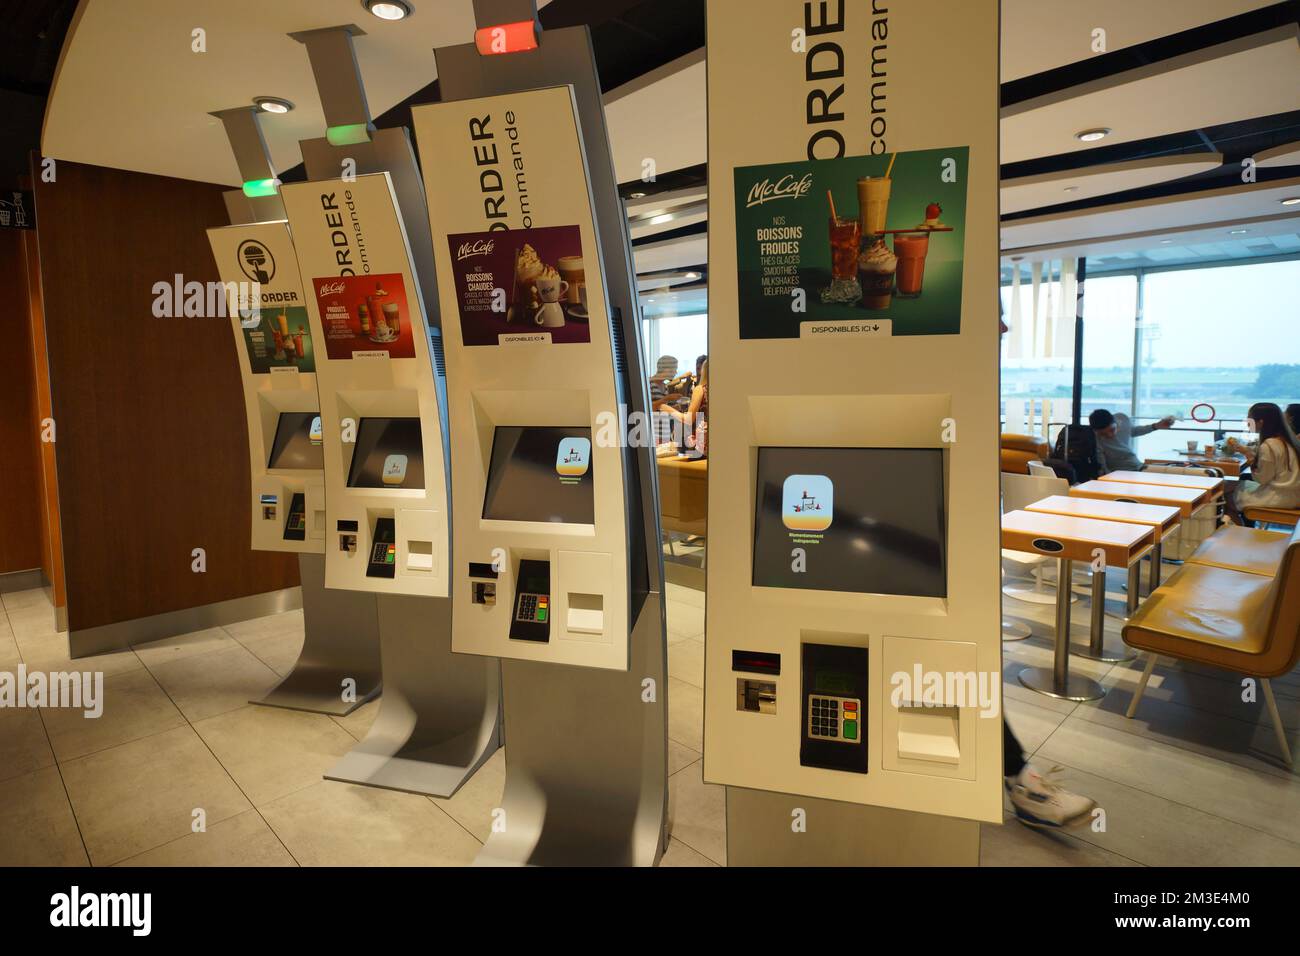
573 457
314 433
807 502
394 469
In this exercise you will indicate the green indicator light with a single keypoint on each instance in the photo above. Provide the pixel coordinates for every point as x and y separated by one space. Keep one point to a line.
257 188
348 135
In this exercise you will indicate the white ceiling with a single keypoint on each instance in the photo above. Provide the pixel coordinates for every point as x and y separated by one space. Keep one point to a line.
1288 154
1074 185
1039 35
131 94
1256 206
1254 76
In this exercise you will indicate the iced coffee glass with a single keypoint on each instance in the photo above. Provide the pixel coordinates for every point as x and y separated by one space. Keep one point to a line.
845 238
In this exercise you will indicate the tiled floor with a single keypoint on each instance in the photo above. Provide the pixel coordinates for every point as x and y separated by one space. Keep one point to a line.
1193 780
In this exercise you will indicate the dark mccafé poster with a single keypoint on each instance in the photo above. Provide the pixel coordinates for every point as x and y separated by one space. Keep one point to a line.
856 245
520 284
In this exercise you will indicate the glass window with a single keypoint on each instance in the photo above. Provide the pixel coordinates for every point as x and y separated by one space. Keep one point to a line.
1109 324
1225 336
1033 386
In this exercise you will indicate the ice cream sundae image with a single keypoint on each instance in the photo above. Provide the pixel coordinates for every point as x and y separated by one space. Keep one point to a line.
876 268
528 266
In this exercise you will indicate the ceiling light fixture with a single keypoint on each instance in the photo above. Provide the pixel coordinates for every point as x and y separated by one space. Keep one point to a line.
1092 135
1165 242
1237 232
1291 201
272 104
636 195
660 220
692 275
389 9
1071 189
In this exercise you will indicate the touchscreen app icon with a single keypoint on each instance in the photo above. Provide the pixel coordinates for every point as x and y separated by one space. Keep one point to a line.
573 457
314 434
394 469
807 502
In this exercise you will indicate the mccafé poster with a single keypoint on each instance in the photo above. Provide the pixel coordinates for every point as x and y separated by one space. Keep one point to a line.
867 238
259 259
365 314
363 301
516 281
510 210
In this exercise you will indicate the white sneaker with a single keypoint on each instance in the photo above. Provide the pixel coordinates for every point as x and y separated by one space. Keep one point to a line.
1041 802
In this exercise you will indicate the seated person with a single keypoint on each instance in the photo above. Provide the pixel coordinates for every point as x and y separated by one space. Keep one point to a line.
1115 434
1293 418
661 396
1274 465
694 421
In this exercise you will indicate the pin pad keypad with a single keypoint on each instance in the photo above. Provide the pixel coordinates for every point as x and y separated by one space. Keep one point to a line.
834 718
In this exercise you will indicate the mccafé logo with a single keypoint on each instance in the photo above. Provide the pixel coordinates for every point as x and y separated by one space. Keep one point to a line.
479 247
787 187
332 288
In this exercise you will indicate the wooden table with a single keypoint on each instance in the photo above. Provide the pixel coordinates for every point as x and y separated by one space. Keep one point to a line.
1070 539
1230 466
1204 482
1186 500
1165 521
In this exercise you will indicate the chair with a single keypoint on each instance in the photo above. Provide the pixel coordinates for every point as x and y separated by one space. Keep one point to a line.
1038 470
1017 492
1019 450
1239 621
1284 517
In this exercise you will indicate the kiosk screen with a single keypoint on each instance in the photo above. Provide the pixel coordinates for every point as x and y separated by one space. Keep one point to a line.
389 454
868 520
540 474
297 442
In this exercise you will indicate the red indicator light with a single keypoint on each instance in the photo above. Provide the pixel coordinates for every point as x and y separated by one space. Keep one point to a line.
507 38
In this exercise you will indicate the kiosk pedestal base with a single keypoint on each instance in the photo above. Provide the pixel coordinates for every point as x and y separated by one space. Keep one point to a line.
341 643
440 717
586 778
760 833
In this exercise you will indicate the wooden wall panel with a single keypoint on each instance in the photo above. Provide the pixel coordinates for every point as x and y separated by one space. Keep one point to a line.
20 474
151 452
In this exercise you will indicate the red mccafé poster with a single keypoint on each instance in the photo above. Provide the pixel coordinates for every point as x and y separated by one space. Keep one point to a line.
366 314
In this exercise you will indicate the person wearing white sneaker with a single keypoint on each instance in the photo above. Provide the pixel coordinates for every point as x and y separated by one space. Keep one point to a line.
1038 800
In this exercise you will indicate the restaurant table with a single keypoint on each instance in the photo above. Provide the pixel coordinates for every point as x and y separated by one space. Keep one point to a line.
1163 518
1204 482
1070 539
1187 500
1230 465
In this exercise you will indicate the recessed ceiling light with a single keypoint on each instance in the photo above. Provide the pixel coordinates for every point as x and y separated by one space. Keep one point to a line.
1071 189
1291 201
636 195
272 104
1237 232
1165 242
389 9
1092 135
660 220
692 275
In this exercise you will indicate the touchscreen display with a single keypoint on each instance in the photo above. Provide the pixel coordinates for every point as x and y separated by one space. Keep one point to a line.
540 473
867 520
297 442
388 454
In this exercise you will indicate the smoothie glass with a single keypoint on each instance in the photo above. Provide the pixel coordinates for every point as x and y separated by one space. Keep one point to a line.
873 204
911 250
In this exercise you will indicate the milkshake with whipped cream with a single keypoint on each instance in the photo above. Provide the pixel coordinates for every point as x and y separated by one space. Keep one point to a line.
876 268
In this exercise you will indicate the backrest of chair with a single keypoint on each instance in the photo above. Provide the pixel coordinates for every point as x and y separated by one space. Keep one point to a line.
1017 450
1282 646
1018 491
1039 470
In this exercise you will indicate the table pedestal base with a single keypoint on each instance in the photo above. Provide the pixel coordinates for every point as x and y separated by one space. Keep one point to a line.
1075 686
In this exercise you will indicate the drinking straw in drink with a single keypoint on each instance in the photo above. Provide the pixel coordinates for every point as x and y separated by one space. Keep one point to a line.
831 199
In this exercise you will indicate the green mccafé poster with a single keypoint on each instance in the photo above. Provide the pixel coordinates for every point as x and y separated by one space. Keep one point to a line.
857 245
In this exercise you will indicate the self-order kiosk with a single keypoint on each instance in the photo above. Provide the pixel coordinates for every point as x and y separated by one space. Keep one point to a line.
852 639
367 282
557 567
338 668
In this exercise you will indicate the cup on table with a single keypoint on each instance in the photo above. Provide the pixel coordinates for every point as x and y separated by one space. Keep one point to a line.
1191 445
1209 450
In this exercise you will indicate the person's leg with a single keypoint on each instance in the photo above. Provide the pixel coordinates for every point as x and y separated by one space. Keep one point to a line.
1013 755
1231 514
